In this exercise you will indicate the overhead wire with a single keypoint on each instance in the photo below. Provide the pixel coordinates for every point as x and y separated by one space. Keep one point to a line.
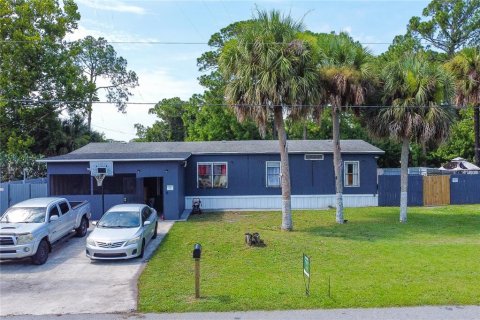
186 103
153 42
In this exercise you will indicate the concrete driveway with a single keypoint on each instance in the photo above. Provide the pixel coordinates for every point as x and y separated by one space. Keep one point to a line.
69 283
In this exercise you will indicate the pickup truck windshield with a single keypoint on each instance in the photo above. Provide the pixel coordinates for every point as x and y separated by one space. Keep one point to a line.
120 219
25 215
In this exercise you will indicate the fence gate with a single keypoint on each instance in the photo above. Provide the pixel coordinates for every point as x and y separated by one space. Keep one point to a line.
436 190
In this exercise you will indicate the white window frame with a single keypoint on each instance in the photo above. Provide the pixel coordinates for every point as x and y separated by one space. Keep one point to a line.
310 156
279 174
345 163
211 164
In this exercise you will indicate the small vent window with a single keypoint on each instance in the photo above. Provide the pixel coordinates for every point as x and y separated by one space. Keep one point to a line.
313 156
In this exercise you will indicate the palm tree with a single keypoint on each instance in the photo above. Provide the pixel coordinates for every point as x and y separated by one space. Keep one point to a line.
465 67
268 70
345 73
416 91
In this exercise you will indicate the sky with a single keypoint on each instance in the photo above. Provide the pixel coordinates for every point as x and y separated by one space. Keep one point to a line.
170 70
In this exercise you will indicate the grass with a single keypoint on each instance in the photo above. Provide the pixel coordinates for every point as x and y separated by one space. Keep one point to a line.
372 261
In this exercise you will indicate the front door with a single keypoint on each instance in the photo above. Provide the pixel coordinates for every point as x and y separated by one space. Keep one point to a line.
153 193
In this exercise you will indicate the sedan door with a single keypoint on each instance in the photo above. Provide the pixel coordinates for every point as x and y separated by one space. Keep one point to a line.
147 216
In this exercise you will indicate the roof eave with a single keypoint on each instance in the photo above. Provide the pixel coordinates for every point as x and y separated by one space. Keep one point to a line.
114 160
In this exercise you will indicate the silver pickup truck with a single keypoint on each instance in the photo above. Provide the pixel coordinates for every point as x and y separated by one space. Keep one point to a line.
29 228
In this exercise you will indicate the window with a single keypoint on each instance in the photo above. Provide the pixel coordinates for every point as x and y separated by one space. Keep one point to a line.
313 156
146 212
212 175
63 207
351 171
273 174
66 184
117 184
53 212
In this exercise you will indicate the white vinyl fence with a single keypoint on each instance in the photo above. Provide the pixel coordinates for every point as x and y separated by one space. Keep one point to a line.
14 192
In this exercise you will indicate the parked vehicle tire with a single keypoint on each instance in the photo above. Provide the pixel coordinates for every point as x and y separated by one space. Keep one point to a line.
41 256
81 231
155 231
142 253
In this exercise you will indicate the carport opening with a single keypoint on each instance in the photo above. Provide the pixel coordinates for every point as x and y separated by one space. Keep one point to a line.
153 193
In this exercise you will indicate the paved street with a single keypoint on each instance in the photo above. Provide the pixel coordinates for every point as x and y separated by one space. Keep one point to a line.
69 283
413 313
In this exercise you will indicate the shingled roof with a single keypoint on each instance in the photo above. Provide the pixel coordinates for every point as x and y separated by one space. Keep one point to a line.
171 151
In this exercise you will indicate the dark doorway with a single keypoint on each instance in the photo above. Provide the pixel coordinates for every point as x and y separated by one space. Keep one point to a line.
153 193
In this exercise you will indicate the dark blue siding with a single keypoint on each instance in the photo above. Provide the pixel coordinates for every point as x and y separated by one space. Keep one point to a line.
173 201
466 190
246 175
389 190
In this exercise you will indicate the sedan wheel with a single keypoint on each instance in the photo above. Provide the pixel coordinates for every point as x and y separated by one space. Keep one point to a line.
155 231
143 249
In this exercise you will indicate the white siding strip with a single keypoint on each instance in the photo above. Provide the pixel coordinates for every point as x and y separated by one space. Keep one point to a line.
274 202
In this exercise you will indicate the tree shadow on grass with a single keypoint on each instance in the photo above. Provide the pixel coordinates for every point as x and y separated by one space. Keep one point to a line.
217 216
388 226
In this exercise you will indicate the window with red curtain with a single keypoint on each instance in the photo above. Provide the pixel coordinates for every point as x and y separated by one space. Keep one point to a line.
212 175
220 175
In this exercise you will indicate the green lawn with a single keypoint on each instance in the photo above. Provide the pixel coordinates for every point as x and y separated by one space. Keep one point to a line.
373 261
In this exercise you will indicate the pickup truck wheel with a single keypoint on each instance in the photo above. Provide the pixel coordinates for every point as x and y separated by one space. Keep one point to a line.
155 231
41 256
81 231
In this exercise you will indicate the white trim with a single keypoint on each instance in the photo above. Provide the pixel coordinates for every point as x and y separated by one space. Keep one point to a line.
279 175
345 174
114 160
290 152
274 202
209 153
314 154
212 163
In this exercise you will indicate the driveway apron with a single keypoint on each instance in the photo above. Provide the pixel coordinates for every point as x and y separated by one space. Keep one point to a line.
69 283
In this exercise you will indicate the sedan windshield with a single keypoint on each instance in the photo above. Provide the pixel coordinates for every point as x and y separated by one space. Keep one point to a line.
24 215
120 219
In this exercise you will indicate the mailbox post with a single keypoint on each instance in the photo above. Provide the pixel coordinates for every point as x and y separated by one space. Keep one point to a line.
197 252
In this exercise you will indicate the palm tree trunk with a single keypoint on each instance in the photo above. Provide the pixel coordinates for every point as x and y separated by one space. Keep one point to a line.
284 170
337 164
404 180
424 153
476 128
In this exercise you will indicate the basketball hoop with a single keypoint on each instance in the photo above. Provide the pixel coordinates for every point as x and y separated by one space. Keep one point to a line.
99 179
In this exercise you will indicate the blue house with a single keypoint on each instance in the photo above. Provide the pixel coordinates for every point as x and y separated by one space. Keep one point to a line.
225 175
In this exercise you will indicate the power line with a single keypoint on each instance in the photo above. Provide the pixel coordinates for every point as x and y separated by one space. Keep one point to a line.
32 101
163 42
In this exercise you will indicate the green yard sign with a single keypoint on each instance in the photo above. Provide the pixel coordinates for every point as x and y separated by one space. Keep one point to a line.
306 265
306 273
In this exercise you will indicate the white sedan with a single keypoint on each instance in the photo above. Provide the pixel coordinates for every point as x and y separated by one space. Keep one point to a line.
123 232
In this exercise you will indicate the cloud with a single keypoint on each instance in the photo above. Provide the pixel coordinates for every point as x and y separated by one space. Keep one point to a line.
154 85
112 5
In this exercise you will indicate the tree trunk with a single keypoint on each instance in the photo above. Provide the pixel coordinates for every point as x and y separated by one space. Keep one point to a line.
89 121
424 153
404 180
284 170
337 164
476 126
305 130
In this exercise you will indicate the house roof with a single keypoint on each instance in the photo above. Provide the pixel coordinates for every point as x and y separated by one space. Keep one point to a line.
171 151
